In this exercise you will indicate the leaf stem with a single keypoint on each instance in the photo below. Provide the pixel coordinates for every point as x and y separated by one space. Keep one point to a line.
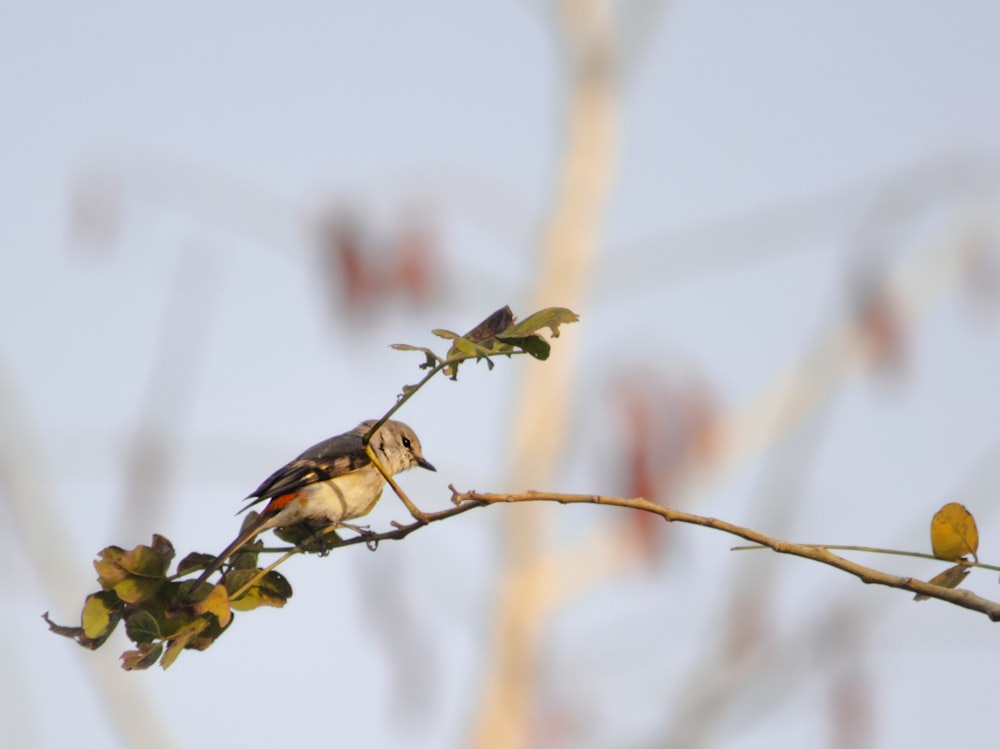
877 550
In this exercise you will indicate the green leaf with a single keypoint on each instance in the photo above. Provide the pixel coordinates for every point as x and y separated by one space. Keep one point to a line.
272 590
137 589
141 659
464 346
550 317
310 539
207 636
294 534
134 575
173 606
145 561
101 614
109 571
142 627
193 562
182 639
463 349
533 345
246 558
277 584
431 360
236 579
250 519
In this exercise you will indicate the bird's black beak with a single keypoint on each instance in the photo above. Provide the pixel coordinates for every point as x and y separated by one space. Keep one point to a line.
424 463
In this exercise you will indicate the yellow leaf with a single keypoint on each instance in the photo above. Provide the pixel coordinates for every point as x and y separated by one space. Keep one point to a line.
216 602
953 533
99 615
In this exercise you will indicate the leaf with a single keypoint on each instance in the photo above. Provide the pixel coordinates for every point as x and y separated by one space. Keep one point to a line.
217 604
137 589
466 347
145 561
463 349
163 547
310 539
141 659
272 590
278 584
249 520
236 579
533 345
294 534
134 575
550 317
142 627
101 614
181 640
193 562
204 639
76 633
432 359
954 533
246 557
950 578
493 325
109 571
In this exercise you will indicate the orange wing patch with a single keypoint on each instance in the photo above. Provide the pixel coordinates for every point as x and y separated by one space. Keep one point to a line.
278 503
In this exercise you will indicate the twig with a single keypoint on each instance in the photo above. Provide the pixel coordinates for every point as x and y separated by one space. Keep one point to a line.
878 550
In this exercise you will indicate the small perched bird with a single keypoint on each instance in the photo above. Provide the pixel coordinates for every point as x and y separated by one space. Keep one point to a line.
331 482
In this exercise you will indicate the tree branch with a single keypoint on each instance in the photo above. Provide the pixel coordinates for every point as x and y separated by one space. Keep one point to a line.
964 598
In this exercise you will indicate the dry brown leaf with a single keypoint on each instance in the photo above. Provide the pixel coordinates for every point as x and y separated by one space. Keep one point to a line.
950 578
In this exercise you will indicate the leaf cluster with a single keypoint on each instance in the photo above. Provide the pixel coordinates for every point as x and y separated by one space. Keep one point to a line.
497 335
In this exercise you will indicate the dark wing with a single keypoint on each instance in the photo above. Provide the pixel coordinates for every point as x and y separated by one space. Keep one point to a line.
334 457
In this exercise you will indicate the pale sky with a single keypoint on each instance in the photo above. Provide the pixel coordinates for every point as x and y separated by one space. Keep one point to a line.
754 144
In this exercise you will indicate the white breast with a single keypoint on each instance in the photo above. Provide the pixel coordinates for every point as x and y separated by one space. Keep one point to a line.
340 499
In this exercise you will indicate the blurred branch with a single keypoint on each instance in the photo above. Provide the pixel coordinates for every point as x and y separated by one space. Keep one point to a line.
169 393
25 487
542 412
192 190
792 397
880 203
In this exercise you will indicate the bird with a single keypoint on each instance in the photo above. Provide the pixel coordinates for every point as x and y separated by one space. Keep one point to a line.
332 482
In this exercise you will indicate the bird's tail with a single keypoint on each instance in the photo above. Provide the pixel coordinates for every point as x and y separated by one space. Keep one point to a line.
244 538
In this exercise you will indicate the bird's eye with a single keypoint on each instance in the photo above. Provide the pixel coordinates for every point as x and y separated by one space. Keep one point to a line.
406 442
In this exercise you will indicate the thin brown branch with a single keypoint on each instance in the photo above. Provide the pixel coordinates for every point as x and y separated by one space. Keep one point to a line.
964 598
465 501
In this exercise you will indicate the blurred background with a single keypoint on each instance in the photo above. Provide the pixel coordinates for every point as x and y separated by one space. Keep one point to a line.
779 225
